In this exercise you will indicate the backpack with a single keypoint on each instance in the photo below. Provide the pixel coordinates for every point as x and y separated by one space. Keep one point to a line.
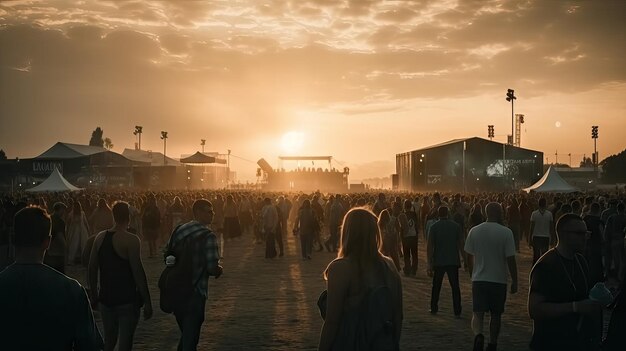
176 283
376 329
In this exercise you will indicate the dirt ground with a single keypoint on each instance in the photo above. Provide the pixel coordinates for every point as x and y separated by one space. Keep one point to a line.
261 304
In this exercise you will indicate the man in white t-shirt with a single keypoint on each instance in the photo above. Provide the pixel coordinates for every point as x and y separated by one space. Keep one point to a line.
541 230
491 250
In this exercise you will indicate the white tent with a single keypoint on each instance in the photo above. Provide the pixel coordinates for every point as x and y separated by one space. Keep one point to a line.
551 182
55 182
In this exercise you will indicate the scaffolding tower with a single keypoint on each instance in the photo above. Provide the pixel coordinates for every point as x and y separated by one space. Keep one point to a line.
519 119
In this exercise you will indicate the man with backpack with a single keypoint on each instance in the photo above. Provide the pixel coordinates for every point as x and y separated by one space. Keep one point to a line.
192 256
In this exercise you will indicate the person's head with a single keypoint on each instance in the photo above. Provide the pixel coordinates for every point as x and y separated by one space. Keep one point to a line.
360 237
203 211
566 208
32 228
59 208
384 218
381 197
437 198
542 203
572 232
267 201
77 209
594 209
102 204
121 212
493 210
396 207
408 205
306 203
442 212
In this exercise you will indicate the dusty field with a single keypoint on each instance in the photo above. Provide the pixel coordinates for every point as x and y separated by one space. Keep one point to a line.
261 304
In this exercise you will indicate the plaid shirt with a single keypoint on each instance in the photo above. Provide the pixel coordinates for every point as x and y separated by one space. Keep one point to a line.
208 255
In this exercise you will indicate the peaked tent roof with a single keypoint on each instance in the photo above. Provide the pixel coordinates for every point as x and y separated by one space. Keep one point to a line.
55 182
551 182
199 157
67 150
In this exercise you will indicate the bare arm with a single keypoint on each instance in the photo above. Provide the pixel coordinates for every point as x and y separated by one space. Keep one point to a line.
430 251
470 264
513 271
338 285
139 275
461 245
93 268
539 309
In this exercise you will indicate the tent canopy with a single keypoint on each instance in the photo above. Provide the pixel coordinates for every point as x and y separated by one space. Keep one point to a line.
199 157
551 182
55 182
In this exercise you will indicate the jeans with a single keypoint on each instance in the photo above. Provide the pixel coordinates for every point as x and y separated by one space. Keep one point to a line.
409 247
306 242
453 278
119 324
190 318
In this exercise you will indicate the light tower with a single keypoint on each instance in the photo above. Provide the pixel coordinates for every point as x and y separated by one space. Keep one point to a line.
594 136
490 132
510 96
137 133
519 120
164 138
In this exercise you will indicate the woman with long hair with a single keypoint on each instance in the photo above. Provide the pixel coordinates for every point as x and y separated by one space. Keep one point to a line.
358 268
232 227
390 231
77 233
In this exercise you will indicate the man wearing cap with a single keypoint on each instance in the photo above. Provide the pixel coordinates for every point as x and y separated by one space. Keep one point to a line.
564 316
42 309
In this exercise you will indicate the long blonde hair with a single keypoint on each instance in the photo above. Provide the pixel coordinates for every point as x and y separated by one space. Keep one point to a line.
360 238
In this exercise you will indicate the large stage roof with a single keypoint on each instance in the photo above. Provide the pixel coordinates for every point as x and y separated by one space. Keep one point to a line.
305 158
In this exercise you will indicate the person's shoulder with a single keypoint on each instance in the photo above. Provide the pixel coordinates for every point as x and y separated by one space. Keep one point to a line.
340 266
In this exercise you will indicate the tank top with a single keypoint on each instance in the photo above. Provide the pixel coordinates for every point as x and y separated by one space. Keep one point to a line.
117 285
411 218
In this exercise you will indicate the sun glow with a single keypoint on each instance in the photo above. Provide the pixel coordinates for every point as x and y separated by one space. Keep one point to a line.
292 142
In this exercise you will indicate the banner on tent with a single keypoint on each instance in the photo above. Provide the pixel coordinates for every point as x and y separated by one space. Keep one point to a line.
46 167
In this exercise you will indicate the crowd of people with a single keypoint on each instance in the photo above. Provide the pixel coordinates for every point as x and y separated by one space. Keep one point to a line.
577 242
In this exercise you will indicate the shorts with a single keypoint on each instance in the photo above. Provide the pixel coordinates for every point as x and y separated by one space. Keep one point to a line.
488 297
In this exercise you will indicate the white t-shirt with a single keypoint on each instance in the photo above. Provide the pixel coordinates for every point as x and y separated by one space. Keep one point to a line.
542 223
490 243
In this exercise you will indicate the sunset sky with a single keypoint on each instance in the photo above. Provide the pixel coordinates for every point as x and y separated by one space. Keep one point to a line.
360 80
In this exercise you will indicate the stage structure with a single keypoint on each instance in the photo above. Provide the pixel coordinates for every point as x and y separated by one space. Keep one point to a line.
305 177
471 164
205 170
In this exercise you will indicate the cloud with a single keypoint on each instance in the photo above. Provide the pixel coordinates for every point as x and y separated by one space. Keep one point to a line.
224 66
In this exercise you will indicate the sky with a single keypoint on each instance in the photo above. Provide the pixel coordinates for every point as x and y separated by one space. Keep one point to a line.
361 80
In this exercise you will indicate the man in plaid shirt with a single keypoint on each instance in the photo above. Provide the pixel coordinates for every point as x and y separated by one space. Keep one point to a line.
205 264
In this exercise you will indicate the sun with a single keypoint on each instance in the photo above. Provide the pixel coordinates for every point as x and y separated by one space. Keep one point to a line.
292 141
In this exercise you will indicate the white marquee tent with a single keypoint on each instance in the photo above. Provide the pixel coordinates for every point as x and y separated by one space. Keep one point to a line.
551 182
55 182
